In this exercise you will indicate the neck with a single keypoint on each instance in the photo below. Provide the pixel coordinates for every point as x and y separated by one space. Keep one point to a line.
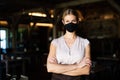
70 35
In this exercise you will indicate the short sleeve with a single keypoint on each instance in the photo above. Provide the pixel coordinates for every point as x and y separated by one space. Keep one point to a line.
54 42
86 42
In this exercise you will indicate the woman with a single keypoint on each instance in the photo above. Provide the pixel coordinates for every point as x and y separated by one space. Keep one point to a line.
69 55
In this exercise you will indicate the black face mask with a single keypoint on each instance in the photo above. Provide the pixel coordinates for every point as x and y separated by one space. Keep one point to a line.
71 27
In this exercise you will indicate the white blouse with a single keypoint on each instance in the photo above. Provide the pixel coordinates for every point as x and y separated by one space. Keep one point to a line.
72 55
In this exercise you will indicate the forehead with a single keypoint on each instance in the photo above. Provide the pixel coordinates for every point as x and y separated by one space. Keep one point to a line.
70 17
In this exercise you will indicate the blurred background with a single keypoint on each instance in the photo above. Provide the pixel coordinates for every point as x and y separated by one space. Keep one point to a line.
28 26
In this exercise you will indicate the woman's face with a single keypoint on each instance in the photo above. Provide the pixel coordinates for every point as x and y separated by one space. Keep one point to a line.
69 19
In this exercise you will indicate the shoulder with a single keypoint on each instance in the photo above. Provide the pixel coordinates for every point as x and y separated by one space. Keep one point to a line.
82 39
56 41
85 41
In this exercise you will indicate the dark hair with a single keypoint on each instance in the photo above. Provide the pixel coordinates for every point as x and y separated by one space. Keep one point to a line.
70 11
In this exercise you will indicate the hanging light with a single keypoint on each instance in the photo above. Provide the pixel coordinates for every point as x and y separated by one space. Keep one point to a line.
3 22
37 14
43 24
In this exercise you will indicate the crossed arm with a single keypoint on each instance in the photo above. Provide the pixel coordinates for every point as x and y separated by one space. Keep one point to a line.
82 68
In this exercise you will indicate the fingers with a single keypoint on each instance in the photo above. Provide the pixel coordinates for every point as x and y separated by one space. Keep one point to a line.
52 60
81 64
84 62
88 61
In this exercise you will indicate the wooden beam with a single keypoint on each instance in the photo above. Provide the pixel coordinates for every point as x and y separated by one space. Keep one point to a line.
76 3
114 4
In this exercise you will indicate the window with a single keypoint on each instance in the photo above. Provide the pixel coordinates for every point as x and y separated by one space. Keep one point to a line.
3 39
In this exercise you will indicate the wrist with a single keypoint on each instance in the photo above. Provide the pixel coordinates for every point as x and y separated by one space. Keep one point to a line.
75 66
81 65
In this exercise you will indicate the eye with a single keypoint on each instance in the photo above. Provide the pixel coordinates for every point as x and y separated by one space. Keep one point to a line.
67 21
74 21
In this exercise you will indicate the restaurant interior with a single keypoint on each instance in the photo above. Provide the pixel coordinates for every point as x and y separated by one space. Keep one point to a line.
28 26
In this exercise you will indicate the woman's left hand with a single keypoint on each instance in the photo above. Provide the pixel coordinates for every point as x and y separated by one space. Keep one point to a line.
52 60
84 62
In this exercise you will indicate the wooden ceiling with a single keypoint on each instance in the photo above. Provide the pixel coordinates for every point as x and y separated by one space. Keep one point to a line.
11 6
87 7
19 5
